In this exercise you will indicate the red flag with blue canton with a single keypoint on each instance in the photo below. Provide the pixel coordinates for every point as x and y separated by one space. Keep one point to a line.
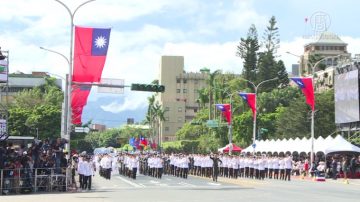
226 111
250 99
79 95
307 88
90 49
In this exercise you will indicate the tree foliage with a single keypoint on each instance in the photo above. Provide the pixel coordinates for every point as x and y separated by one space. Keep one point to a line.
248 51
37 110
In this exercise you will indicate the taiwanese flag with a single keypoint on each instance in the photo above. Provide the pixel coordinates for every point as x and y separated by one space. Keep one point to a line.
307 88
143 141
79 95
91 45
250 99
226 111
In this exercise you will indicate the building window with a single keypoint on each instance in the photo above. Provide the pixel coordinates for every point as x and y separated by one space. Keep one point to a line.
179 109
195 110
185 81
179 119
178 90
167 128
178 80
184 90
196 81
166 138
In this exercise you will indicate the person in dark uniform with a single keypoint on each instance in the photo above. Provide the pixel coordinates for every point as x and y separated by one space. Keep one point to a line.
216 161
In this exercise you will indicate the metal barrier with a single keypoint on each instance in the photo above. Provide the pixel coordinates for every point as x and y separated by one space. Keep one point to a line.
26 180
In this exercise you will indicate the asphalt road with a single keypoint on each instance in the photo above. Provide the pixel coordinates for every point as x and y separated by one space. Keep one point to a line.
195 189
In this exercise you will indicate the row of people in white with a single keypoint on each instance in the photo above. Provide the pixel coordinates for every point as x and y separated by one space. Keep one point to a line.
131 162
155 162
203 161
85 169
179 161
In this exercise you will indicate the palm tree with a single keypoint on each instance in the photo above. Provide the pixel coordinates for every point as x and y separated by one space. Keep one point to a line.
211 82
151 114
158 115
203 97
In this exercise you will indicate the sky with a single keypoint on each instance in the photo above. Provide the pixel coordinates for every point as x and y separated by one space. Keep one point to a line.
205 32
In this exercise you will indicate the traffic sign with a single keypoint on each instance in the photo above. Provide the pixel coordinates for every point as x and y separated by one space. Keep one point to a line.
82 130
253 145
212 123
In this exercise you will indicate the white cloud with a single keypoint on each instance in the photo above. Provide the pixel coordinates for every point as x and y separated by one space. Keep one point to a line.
131 102
212 55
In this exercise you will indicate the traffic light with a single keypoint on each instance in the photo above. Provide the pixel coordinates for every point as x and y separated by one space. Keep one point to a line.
147 87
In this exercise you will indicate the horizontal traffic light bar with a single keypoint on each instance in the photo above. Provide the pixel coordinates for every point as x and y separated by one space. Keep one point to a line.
147 87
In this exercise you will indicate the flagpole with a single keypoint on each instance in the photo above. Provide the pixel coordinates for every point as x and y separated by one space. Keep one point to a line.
69 80
256 87
64 110
313 66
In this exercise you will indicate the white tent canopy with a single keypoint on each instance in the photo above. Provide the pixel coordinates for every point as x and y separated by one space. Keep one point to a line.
340 144
327 145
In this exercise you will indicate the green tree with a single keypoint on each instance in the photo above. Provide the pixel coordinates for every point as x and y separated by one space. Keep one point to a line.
295 120
314 58
271 37
248 50
212 89
267 65
37 109
282 74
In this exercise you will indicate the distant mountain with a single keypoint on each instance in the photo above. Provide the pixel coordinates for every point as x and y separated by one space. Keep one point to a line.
94 111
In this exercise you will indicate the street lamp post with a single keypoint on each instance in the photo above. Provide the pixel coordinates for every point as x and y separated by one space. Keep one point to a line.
69 79
231 121
256 87
313 66
66 103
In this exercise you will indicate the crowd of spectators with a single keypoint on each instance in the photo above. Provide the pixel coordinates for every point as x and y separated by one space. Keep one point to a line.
22 161
38 154
334 166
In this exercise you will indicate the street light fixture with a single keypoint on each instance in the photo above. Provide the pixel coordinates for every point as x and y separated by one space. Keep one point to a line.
256 87
68 107
66 104
313 66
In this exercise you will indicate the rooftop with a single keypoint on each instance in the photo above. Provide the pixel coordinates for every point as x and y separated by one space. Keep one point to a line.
328 38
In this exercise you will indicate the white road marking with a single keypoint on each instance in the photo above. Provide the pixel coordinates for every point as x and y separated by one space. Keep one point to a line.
187 184
154 182
129 182
216 184
142 185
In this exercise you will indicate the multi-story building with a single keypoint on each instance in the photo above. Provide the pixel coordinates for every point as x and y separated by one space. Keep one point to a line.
19 81
98 127
328 44
180 97
295 70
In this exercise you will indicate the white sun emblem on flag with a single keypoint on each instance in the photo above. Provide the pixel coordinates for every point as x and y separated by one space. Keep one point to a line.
100 42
